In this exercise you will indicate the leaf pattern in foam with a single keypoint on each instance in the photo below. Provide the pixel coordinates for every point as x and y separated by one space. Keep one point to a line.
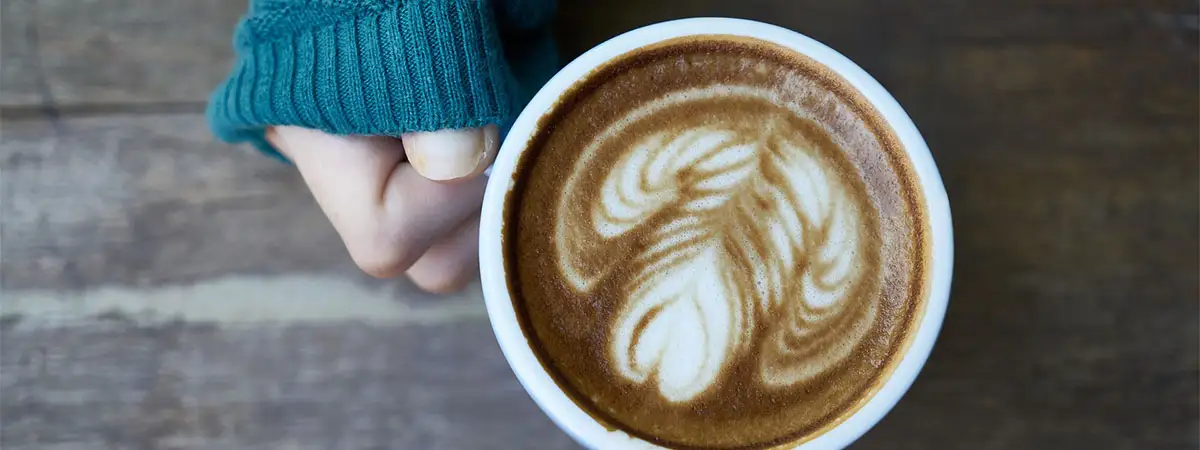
817 320
749 230
678 329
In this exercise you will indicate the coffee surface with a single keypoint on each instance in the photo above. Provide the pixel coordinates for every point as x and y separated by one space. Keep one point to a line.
714 242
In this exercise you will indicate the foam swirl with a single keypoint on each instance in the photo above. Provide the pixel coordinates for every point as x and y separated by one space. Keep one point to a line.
747 235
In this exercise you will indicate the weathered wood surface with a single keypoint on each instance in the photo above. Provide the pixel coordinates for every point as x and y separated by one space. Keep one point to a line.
149 199
1066 132
326 386
115 52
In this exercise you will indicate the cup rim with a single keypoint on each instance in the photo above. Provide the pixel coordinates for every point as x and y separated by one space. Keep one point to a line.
569 416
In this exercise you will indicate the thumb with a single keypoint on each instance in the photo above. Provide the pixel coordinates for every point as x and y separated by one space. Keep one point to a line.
452 154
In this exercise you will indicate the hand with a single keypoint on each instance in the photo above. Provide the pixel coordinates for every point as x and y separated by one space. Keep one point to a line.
408 205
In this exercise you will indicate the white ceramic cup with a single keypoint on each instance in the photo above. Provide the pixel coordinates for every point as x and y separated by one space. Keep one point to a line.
569 416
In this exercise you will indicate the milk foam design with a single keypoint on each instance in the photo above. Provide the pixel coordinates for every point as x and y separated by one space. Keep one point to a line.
752 238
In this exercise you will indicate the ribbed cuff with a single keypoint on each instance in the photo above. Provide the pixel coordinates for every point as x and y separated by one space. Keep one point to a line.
421 66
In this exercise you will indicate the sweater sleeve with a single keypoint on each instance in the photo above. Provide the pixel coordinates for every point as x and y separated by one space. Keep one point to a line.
381 67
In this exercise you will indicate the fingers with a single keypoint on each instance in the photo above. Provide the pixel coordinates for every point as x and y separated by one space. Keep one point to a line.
452 154
450 264
345 173
417 213
387 214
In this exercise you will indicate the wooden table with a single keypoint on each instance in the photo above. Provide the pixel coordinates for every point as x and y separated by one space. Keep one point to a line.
162 291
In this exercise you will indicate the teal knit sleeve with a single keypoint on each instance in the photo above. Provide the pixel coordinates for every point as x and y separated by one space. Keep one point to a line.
382 67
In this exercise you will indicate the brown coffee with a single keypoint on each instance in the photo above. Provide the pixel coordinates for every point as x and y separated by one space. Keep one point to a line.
716 242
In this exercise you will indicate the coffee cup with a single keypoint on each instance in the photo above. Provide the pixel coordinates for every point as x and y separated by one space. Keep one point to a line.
583 414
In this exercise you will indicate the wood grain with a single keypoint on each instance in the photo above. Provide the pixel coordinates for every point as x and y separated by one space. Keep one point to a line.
1067 133
117 385
114 52
148 200
20 78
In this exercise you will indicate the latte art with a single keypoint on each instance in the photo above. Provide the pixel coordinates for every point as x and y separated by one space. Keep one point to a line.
715 243
748 227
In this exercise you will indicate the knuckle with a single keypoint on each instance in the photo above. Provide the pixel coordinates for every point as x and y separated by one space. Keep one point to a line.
376 265
446 282
443 273
381 252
